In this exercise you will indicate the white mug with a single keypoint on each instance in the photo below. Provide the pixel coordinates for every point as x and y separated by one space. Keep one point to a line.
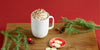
40 28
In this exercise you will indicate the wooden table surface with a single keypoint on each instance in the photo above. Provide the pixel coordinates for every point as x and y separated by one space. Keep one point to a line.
84 41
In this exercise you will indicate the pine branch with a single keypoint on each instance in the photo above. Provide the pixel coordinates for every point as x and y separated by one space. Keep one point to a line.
16 38
80 22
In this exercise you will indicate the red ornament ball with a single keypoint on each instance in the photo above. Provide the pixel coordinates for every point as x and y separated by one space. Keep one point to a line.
29 39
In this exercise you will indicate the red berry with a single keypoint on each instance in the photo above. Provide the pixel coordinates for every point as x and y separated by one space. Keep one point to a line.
29 39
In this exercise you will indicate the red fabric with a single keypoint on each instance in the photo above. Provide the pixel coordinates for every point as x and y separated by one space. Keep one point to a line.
18 11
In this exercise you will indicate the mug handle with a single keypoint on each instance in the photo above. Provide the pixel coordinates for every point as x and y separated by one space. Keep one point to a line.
52 22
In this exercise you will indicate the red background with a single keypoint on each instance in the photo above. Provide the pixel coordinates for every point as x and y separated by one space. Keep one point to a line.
18 11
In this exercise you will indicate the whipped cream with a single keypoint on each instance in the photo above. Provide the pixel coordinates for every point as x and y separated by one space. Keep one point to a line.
40 14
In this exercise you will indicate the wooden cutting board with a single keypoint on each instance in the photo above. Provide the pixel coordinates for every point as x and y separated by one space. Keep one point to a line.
85 41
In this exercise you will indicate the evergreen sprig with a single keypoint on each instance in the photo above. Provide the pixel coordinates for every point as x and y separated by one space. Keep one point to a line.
16 39
68 24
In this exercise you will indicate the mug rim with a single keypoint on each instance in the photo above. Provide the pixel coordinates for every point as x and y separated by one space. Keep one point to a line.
39 20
